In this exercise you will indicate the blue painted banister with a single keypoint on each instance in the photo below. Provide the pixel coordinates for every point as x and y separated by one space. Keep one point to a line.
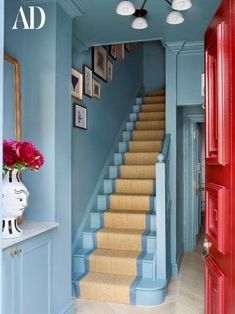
162 256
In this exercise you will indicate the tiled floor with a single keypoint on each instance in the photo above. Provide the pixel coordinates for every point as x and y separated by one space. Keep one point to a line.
185 294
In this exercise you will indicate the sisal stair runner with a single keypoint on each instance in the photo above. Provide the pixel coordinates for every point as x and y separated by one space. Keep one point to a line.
113 268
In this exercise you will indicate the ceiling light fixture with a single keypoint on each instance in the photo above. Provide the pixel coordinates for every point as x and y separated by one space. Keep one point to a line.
181 5
175 18
125 8
140 22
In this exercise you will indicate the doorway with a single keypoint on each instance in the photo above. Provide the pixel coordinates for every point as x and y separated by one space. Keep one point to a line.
193 173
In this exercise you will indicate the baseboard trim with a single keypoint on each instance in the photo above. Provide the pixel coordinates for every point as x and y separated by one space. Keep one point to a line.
70 308
102 175
176 266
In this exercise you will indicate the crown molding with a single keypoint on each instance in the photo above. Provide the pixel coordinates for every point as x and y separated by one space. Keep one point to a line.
193 47
175 46
186 47
72 7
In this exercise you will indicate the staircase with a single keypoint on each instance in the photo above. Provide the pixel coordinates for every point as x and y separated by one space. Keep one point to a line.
116 262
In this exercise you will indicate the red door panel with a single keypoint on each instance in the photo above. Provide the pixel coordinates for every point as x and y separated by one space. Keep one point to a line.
217 111
214 287
216 224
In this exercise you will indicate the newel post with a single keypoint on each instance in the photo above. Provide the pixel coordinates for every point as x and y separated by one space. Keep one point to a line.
160 272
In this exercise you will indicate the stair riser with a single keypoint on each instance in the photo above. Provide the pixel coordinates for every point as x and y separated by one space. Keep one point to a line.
90 242
103 203
147 116
110 187
115 172
145 125
150 116
158 107
149 125
128 159
149 135
154 99
130 126
144 267
156 93
97 221
132 172
143 147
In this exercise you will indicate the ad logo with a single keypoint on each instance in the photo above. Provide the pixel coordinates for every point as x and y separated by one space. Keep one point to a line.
22 22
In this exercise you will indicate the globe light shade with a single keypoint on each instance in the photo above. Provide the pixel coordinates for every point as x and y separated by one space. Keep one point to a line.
125 8
174 18
181 5
139 23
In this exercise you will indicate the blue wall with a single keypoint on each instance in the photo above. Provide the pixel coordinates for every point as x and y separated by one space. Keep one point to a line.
90 148
154 66
45 58
190 67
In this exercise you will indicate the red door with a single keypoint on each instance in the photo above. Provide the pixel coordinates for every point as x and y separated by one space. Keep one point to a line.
220 162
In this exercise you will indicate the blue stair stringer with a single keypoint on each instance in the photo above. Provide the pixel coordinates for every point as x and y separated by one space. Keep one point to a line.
146 290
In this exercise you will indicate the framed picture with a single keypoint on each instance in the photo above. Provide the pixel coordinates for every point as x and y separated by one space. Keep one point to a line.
79 116
113 51
120 51
76 84
88 81
127 47
110 71
96 89
100 56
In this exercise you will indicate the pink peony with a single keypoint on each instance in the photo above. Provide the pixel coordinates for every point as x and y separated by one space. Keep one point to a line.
21 155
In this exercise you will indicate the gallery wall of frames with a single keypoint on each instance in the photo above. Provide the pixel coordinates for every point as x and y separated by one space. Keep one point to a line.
87 82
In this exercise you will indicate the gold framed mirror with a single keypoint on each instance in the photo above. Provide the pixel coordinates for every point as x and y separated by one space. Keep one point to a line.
13 78
17 95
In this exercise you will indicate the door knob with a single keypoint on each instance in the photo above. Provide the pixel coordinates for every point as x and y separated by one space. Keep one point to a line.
201 188
206 251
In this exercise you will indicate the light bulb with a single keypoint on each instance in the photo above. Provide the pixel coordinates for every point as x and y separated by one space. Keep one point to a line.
125 8
139 23
181 5
174 18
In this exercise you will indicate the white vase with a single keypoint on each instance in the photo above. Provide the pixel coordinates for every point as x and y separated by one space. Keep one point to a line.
14 201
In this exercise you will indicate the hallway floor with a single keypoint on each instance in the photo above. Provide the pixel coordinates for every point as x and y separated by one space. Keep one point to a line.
185 294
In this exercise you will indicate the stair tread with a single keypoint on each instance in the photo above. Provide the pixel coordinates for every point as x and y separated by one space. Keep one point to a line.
121 231
132 195
149 121
149 131
147 141
133 180
127 231
124 165
109 279
154 104
116 253
111 252
129 211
